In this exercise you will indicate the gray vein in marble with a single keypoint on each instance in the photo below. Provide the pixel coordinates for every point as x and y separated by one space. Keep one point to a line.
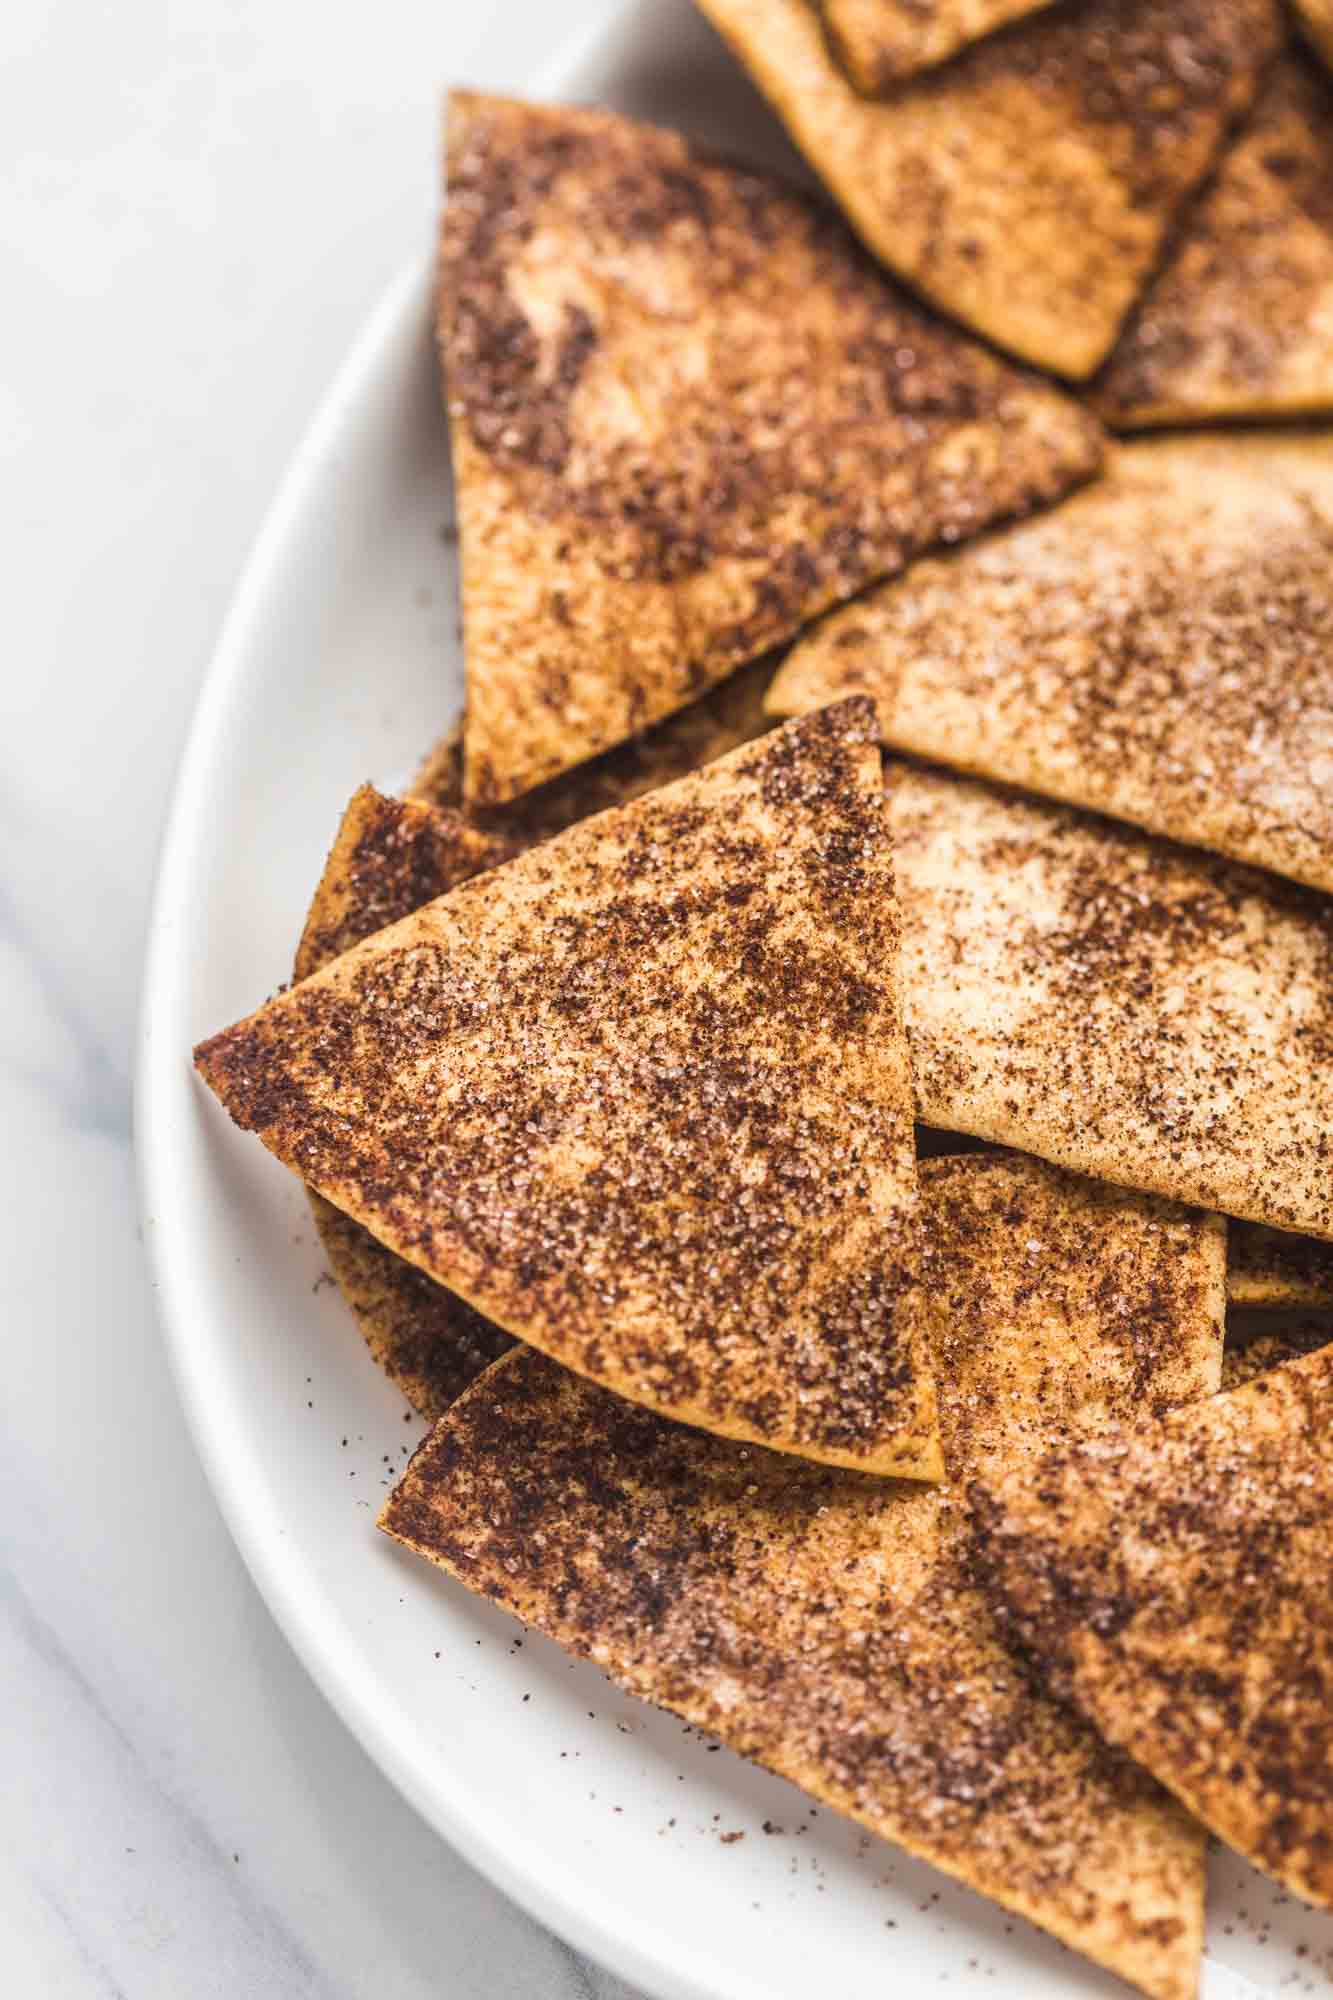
581 1982
277 1947
107 1983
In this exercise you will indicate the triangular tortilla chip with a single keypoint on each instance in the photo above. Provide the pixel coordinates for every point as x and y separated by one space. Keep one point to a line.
388 858
1145 1013
687 413
1269 1267
727 716
641 1096
880 43
1027 188
826 1623
1316 17
1176 1578
1157 648
1258 1341
1239 323
392 856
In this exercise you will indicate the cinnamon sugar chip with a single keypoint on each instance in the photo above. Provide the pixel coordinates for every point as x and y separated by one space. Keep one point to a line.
389 857
1174 1578
880 43
828 1624
1158 648
687 413
1028 188
1239 323
1152 1015
641 1096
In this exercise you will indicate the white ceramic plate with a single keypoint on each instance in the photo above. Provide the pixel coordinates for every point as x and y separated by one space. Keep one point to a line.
609 1821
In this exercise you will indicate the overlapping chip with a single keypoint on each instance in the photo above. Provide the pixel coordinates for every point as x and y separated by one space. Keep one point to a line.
1142 1012
389 857
826 1623
1239 322
687 414
1271 1274
1174 1579
641 1097
1158 648
882 42
730 714
1028 188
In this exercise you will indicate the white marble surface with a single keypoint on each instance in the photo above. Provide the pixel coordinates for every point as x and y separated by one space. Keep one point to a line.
199 201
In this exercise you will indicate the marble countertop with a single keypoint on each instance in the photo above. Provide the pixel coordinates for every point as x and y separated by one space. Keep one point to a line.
200 201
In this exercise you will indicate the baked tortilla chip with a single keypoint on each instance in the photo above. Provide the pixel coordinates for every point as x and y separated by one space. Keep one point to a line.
1141 1012
1176 1578
1028 188
1239 323
880 43
641 1096
1316 17
727 716
687 414
1160 648
389 857
826 1624
392 856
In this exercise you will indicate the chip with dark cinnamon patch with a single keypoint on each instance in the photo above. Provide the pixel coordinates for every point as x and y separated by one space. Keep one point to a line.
1239 323
1142 1012
388 857
828 1624
880 43
1028 187
641 1096
687 413
1174 1580
1157 648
